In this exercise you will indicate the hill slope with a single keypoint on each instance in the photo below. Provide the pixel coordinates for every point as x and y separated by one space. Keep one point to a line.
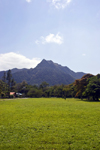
48 71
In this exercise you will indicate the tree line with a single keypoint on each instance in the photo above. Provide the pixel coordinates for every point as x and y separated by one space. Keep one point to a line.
87 87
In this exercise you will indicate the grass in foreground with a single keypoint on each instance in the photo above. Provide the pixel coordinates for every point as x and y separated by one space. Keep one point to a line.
49 124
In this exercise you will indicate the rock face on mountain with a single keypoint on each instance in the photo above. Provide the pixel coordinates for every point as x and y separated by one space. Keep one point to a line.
48 71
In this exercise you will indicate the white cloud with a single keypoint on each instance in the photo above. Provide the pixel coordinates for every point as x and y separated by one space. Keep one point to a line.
13 60
51 38
37 42
59 4
28 1
84 54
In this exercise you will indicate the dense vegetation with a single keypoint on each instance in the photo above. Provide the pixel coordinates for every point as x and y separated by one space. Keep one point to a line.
87 87
49 124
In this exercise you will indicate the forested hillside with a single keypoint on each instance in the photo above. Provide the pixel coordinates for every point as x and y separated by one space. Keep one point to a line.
87 87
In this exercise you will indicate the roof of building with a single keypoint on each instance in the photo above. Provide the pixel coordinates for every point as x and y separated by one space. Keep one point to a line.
12 93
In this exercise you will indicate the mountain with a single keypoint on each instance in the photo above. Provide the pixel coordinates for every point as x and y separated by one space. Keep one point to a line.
1 74
14 70
48 71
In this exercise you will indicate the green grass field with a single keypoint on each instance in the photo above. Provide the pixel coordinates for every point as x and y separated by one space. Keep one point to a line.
49 124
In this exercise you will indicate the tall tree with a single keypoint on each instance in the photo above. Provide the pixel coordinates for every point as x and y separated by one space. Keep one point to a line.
9 77
3 89
12 84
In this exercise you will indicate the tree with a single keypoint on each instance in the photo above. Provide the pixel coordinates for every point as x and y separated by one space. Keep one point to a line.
9 78
34 92
22 87
93 89
13 83
68 91
3 89
43 85
4 82
81 84
1 85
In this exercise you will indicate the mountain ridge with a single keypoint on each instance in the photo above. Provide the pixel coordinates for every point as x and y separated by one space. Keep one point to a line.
47 71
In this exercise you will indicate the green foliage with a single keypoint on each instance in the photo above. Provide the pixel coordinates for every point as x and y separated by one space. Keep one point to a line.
86 87
43 85
13 83
9 77
49 124
11 96
7 85
33 92
93 88
81 84
4 89
22 87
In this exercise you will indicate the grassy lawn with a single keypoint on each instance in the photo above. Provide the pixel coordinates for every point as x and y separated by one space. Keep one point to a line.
49 124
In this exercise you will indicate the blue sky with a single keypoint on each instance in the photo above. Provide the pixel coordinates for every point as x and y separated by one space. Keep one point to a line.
64 31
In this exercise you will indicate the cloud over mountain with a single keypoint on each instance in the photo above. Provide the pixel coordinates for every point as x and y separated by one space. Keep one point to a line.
14 60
